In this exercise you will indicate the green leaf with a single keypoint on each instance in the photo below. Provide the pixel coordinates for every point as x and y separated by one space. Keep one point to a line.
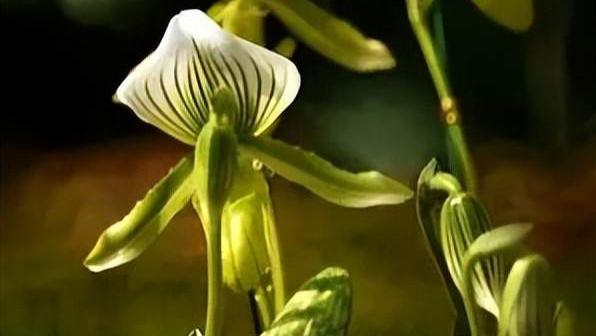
528 304
498 240
322 178
331 36
429 200
463 219
517 15
127 239
321 307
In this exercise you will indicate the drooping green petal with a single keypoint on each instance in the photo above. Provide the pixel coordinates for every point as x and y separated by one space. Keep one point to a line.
321 307
516 15
173 87
127 239
528 305
497 240
463 219
331 36
322 178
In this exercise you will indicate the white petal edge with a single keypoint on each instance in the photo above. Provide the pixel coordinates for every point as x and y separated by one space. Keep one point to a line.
171 89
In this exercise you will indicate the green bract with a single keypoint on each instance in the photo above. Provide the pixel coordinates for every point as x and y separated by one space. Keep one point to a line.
321 307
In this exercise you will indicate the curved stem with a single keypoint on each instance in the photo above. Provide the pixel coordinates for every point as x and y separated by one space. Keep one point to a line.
459 157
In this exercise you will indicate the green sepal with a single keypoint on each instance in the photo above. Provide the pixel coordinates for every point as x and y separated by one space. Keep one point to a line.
528 305
127 239
246 19
321 307
429 200
322 178
330 36
516 15
463 219
217 11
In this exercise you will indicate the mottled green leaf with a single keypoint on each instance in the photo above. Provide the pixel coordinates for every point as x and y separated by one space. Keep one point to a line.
321 307
322 178
331 36
528 304
516 15
463 219
127 239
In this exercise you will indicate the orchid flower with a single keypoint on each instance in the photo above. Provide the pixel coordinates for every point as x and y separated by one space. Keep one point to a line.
221 94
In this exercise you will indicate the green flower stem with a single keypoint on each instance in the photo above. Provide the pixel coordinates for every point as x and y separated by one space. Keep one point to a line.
461 161
214 278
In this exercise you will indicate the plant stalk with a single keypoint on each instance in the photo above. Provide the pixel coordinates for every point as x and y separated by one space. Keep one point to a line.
459 157
214 278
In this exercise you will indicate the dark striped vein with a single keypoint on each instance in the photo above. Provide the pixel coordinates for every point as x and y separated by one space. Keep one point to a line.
183 96
269 96
159 109
203 103
257 104
179 114
250 111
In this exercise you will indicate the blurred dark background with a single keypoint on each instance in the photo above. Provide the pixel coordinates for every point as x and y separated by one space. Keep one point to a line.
72 162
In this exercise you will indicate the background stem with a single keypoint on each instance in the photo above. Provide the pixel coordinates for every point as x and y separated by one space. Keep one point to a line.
460 161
